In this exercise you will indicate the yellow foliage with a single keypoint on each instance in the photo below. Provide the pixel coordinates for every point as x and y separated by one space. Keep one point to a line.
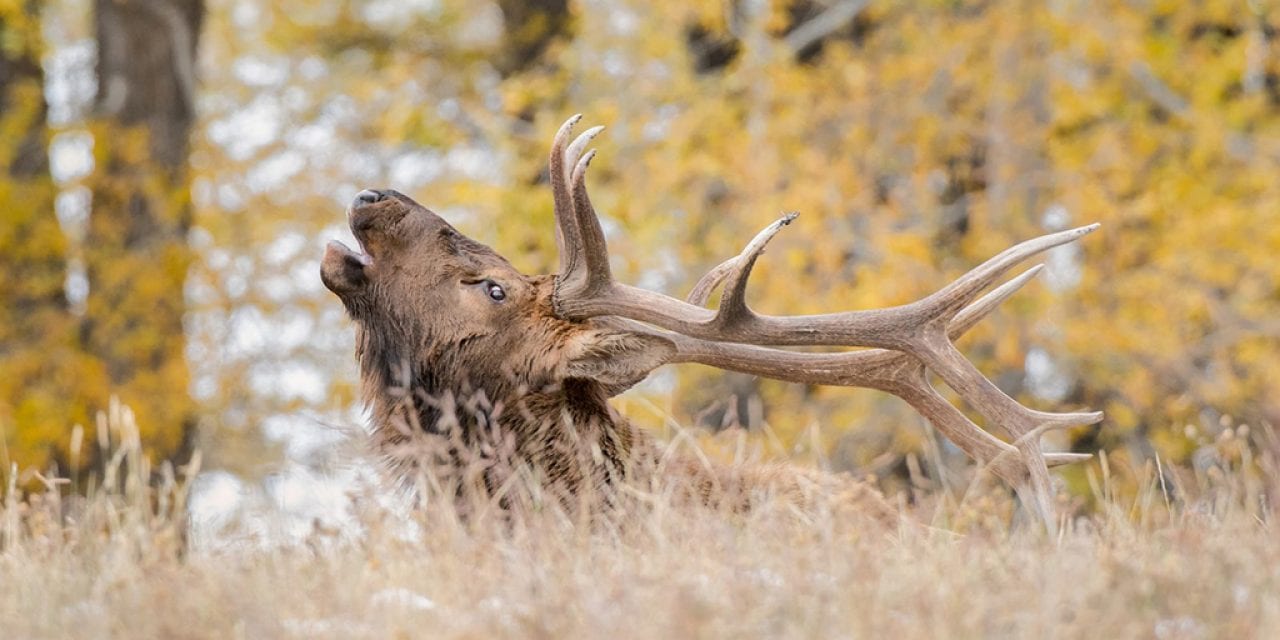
920 140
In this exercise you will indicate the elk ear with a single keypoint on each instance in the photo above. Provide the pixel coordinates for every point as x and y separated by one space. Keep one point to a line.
617 359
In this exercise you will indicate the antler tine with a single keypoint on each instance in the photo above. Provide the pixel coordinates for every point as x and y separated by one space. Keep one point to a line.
951 298
567 237
703 289
706 285
594 277
976 311
574 151
733 305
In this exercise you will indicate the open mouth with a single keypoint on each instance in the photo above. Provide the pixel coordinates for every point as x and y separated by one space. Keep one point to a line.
359 221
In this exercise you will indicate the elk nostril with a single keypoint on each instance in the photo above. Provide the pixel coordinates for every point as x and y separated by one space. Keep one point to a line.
368 196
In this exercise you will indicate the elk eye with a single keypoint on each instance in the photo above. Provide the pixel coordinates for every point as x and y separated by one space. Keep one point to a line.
495 291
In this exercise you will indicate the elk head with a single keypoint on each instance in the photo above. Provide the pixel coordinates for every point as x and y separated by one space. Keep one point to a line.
438 311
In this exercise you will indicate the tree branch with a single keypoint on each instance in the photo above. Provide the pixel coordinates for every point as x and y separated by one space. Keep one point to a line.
836 16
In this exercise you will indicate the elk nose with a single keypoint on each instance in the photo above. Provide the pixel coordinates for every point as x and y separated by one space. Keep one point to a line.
368 196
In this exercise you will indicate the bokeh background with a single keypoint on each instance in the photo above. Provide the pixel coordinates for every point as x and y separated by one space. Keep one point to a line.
170 170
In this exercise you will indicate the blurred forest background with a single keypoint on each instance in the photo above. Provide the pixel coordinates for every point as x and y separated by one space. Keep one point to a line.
170 170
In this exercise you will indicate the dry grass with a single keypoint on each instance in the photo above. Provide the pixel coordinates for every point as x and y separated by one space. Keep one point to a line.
116 565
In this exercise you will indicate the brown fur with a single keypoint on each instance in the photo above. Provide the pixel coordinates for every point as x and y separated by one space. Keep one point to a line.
499 389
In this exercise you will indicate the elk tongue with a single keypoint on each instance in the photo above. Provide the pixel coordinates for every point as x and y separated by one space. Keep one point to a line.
364 256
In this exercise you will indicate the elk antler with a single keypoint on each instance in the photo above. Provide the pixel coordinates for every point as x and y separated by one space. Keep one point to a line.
907 338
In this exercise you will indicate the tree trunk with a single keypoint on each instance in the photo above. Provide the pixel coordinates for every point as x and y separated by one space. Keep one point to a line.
530 26
38 351
136 252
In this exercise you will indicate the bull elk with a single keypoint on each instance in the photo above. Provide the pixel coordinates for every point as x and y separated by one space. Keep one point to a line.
452 338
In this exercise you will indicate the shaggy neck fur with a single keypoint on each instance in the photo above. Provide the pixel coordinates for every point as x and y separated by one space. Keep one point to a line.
566 435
